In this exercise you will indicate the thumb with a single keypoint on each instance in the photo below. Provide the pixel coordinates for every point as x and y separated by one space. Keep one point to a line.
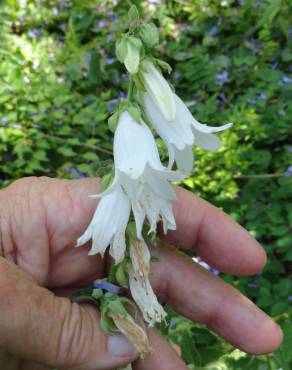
38 326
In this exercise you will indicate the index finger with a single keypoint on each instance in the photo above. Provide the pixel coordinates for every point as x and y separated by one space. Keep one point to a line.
215 237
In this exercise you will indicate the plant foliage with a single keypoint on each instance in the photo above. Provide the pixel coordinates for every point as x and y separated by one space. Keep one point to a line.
231 62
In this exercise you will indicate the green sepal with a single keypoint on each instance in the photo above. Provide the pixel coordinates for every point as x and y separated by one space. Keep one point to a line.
135 41
85 295
117 307
121 49
113 122
104 168
107 325
139 82
133 14
135 112
150 34
163 65
131 230
106 181
121 276
97 293
149 236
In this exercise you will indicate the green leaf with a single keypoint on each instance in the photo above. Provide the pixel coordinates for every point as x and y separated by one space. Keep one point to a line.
113 121
133 14
66 152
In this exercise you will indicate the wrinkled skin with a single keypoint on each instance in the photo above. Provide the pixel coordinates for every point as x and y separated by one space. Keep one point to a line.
41 219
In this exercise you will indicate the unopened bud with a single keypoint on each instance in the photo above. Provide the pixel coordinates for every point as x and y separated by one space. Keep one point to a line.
149 34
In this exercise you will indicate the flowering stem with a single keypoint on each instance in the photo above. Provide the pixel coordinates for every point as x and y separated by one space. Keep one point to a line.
130 90
112 272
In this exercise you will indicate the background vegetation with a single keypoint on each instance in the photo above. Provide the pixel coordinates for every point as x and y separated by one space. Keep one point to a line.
231 61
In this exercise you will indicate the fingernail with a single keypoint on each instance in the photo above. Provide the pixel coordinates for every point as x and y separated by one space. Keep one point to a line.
119 345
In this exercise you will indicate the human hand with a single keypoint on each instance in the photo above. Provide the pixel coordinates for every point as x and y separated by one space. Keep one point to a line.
40 222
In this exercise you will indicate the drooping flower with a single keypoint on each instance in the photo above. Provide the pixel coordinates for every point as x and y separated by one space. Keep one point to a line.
140 287
108 224
120 314
136 335
145 298
139 171
181 134
158 90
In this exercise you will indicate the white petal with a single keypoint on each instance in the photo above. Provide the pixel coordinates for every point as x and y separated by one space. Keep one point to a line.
159 91
118 247
167 217
209 129
87 235
183 111
111 217
134 147
207 141
184 159
178 132
159 183
139 215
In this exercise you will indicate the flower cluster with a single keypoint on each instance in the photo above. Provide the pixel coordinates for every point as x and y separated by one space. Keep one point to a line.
140 188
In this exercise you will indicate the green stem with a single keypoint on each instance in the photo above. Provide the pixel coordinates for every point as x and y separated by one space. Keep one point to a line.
112 272
283 316
130 90
259 176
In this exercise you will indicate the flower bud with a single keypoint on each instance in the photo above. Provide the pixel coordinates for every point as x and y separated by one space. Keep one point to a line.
132 58
149 34
159 90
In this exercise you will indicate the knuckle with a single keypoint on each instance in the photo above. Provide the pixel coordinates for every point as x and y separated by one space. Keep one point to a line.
75 336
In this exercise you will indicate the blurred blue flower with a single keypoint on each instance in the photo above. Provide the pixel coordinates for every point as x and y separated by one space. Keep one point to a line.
74 172
6 158
213 31
262 96
288 172
202 263
110 36
222 77
111 104
34 34
101 24
4 121
109 60
106 286
285 80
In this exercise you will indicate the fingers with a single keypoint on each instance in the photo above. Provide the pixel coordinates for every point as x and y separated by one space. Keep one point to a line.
195 293
219 240
162 353
37 326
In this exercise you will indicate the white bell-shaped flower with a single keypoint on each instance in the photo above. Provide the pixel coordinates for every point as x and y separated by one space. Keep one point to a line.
143 177
181 134
158 90
108 224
